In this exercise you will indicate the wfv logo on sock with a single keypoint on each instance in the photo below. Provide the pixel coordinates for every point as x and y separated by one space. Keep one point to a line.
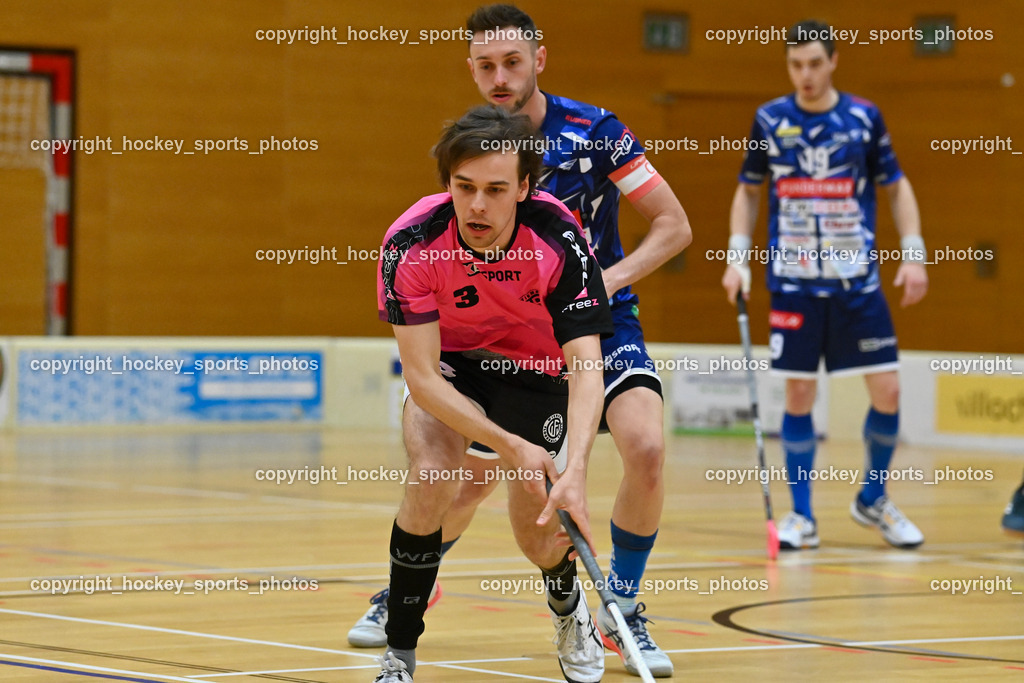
419 558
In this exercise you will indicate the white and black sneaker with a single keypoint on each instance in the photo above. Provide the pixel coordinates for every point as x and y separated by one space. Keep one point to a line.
797 532
897 530
656 659
369 630
392 670
580 653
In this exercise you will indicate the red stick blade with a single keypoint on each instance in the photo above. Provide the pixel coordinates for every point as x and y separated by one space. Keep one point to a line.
773 540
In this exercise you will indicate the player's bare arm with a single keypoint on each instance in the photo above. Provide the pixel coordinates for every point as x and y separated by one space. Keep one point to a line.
742 219
905 213
420 349
586 397
668 235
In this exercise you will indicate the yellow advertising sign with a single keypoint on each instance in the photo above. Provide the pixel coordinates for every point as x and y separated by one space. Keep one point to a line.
979 404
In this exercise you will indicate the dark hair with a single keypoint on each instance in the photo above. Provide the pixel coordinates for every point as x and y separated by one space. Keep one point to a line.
809 31
485 130
496 17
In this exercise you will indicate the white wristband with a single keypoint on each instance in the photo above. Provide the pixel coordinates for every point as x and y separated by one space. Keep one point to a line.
739 250
913 251
738 257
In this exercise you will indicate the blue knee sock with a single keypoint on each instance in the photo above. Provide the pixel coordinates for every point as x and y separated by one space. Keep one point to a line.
447 545
799 443
880 431
629 560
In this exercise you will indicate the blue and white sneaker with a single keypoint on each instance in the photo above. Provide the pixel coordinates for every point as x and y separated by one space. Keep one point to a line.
656 659
897 530
797 532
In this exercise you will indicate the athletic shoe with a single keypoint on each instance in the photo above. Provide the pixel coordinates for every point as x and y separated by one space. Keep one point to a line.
580 654
392 669
369 630
1013 517
656 659
897 530
797 532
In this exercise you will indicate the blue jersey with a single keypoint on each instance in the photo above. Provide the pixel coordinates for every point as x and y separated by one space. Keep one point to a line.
822 168
589 158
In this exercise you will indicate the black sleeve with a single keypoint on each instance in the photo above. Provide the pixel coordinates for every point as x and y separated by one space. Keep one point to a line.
577 302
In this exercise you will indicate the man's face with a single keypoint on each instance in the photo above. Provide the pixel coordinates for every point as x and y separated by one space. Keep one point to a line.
485 191
810 70
506 71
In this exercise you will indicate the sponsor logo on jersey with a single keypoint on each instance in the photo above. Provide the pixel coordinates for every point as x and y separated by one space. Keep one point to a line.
571 236
553 428
788 131
581 303
809 187
784 320
501 275
471 268
623 146
576 119
531 297
875 343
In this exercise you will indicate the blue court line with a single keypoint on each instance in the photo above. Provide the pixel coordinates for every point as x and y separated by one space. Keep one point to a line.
80 673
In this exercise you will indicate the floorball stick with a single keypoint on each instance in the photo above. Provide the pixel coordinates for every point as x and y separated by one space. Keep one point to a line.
744 322
623 636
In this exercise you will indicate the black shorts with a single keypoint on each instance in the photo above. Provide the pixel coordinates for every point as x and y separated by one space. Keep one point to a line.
531 405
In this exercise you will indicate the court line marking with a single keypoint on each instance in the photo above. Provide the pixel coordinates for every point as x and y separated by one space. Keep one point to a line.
156 521
841 643
191 511
248 641
158 629
359 666
1016 569
97 668
180 632
194 493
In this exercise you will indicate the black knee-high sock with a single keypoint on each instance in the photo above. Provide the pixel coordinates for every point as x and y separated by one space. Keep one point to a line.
414 563
560 583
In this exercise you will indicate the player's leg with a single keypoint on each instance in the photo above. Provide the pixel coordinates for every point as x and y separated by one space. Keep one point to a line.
432 447
479 481
580 653
1013 517
797 337
477 484
369 629
538 414
862 340
635 419
634 413
881 427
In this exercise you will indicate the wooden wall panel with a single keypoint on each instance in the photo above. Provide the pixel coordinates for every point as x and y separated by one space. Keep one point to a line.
167 244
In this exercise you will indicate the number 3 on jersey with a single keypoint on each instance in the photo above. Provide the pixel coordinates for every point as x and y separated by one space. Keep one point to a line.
467 297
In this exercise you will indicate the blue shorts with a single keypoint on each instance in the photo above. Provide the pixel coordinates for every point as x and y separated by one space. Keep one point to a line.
626 361
853 331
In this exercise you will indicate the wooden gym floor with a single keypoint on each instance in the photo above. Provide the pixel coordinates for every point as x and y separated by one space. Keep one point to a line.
109 508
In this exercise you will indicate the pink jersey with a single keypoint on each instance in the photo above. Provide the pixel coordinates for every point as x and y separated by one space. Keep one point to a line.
544 290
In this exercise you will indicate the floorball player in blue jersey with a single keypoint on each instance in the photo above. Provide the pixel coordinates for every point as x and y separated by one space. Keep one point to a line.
823 152
590 159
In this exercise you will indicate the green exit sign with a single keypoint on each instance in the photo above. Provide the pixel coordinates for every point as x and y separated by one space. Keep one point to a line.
667 32
936 35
